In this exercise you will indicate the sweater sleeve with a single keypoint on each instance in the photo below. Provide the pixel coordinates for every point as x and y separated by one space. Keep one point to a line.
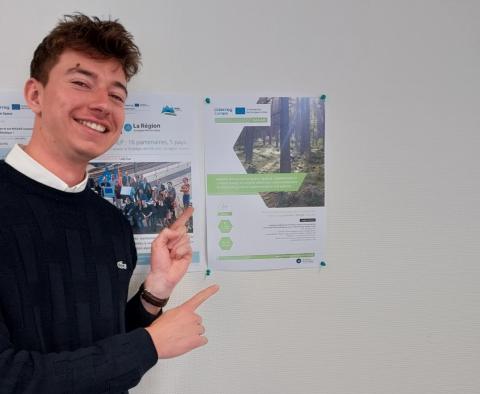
135 314
111 365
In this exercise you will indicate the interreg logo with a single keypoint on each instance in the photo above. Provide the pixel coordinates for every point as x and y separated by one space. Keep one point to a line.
13 107
223 111
132 108
127 128
136 105
239 110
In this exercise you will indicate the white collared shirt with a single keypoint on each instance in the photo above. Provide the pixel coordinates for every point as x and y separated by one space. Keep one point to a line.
22 162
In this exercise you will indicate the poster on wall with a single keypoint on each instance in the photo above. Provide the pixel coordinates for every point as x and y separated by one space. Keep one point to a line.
16 121
252 167
153 172
264 165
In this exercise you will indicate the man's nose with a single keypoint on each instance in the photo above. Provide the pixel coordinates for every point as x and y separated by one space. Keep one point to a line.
100 103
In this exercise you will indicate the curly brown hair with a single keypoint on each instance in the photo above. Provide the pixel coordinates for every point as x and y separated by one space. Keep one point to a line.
97 38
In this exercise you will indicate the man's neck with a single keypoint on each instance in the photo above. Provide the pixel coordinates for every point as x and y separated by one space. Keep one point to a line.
72 173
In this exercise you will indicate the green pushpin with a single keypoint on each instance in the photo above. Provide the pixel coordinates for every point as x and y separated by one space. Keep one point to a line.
207 100
323 97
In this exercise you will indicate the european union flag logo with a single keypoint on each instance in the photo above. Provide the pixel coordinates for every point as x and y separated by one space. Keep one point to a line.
15 107
239 110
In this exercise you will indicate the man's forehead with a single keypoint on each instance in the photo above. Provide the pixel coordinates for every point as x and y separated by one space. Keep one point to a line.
78 60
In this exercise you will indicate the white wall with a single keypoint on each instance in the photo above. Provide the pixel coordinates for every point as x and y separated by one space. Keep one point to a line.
397 308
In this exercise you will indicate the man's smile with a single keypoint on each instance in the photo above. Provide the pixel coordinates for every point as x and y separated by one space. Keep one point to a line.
92 125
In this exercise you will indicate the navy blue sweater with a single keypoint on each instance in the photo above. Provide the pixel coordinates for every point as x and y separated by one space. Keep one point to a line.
65 264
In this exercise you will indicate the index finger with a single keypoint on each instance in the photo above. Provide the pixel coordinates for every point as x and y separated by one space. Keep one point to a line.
182 219
199 298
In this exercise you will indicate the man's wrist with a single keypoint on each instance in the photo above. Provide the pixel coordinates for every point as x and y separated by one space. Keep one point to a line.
150 309
151 299
155 284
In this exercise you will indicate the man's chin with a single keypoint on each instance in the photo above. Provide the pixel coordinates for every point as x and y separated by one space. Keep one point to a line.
92 151
91 154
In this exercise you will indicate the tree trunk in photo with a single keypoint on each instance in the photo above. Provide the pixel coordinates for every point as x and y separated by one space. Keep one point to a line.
297 123
265 131
305 127
267 134
321 119
276 120
249 140
285 131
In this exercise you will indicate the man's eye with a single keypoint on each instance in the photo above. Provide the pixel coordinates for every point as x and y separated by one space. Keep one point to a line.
80 83
117 98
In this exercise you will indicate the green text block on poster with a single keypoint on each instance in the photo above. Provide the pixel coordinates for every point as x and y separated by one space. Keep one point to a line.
234 184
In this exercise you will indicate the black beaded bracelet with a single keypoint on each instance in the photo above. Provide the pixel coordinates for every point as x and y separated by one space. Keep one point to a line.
151 299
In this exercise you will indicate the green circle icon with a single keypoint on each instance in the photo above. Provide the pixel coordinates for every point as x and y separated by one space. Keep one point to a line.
225 243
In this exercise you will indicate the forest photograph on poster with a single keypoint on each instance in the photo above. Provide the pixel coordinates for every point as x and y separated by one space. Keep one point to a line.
293 143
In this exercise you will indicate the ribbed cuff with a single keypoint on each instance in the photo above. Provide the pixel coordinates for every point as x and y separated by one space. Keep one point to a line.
143 348
136 314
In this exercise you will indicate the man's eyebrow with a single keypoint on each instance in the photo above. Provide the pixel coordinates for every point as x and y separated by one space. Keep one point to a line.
92 75
121 86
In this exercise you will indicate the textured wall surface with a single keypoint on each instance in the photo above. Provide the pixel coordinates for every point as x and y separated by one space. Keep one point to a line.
396 310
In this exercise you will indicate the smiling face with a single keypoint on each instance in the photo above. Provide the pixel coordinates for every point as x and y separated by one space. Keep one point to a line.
79 112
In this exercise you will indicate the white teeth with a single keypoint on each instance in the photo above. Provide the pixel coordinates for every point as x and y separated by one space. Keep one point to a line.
93 126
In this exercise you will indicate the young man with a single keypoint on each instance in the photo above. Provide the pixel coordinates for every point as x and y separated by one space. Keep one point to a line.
185 189
66 255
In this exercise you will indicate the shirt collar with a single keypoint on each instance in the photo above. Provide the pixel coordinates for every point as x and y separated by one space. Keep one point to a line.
24 163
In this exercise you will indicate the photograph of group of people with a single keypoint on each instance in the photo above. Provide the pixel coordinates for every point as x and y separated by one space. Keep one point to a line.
150 195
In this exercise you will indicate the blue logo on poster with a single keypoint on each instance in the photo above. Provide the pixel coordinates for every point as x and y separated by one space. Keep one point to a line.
239 110
128 127
168 110
15 107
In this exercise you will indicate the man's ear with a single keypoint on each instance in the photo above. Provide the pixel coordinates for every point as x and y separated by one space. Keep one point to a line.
33 95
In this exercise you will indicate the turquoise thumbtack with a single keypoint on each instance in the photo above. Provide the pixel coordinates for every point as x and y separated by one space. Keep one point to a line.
208 272
323 97
207 100
323 263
